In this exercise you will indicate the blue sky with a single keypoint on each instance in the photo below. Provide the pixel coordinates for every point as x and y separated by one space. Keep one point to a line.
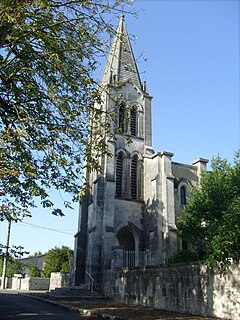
189 56
192 73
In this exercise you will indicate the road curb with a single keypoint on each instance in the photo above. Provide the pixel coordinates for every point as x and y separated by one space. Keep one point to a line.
85 312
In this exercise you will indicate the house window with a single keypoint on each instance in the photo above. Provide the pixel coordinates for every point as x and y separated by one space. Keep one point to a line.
133 121
119 175
183 199
121 118
134 177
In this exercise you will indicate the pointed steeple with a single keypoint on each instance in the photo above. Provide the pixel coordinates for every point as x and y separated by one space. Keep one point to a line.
121 65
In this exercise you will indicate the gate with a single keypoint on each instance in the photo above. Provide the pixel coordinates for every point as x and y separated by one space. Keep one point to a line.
133 259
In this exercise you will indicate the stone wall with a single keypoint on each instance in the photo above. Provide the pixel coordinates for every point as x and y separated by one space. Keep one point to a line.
190 289
39 283
16 284
59 280
30 284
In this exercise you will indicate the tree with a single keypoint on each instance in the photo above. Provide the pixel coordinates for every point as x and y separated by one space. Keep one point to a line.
14 266
7 255
57 260
48 55
13 252
211 223
33 271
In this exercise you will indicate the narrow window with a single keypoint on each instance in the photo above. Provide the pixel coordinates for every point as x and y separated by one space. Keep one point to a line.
140 184
184 245
134 178
119 174
133 122
183 195
121 119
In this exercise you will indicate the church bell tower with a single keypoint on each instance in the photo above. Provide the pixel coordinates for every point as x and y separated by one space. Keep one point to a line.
111 217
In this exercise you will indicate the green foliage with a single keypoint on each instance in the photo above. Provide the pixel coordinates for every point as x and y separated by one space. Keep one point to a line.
13 267
13 251
212 215
48 55
33 271
57 260
184 256
36 254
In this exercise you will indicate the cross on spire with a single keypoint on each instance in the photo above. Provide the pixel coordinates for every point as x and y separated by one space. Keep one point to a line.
122 15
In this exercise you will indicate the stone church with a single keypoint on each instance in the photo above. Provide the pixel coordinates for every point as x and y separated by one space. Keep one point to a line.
129 218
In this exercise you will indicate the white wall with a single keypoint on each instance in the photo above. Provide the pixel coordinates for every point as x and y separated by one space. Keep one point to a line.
30 284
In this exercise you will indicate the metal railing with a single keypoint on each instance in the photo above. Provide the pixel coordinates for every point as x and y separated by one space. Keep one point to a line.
91 281
133 259
129 259
145 258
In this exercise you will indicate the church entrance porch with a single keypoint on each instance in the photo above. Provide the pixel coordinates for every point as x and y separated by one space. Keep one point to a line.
128 242
127 254
124 259
126 238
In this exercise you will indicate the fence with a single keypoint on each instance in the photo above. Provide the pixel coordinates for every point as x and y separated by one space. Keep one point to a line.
133 259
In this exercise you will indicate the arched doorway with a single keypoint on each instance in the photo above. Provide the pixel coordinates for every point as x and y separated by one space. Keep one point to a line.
126 240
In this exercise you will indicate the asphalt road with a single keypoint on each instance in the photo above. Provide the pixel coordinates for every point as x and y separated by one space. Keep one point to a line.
16 306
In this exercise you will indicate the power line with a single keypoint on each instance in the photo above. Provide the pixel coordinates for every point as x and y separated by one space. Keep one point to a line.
45 228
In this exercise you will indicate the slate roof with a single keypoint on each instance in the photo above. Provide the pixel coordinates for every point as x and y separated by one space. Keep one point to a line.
121 66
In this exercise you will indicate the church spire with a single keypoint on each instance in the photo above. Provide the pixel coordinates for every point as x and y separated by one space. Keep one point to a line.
121 65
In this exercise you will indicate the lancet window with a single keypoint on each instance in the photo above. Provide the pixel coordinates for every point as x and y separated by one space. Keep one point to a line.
134 176
119 175
183 197
121 118
133 121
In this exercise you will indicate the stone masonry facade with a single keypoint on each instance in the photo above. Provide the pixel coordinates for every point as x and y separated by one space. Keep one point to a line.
129 217
190 289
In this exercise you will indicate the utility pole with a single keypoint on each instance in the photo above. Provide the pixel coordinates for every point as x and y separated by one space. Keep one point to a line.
3 283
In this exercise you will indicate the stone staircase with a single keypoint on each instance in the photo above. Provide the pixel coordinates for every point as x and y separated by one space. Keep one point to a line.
81 292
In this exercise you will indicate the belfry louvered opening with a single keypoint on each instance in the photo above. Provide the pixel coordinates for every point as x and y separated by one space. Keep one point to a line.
134 177
119 175
133 121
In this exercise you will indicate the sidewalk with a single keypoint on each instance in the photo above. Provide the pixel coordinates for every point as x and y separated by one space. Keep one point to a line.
108 309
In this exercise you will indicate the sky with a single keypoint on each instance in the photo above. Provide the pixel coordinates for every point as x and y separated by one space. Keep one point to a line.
189 54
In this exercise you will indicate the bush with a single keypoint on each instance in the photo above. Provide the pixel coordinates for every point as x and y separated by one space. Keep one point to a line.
57 260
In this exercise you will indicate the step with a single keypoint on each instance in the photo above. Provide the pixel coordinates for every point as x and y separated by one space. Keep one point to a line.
76 292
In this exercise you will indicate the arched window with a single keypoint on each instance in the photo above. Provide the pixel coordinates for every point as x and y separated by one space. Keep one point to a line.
133 121
119 175
183 199
134 187
121 118
184 245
